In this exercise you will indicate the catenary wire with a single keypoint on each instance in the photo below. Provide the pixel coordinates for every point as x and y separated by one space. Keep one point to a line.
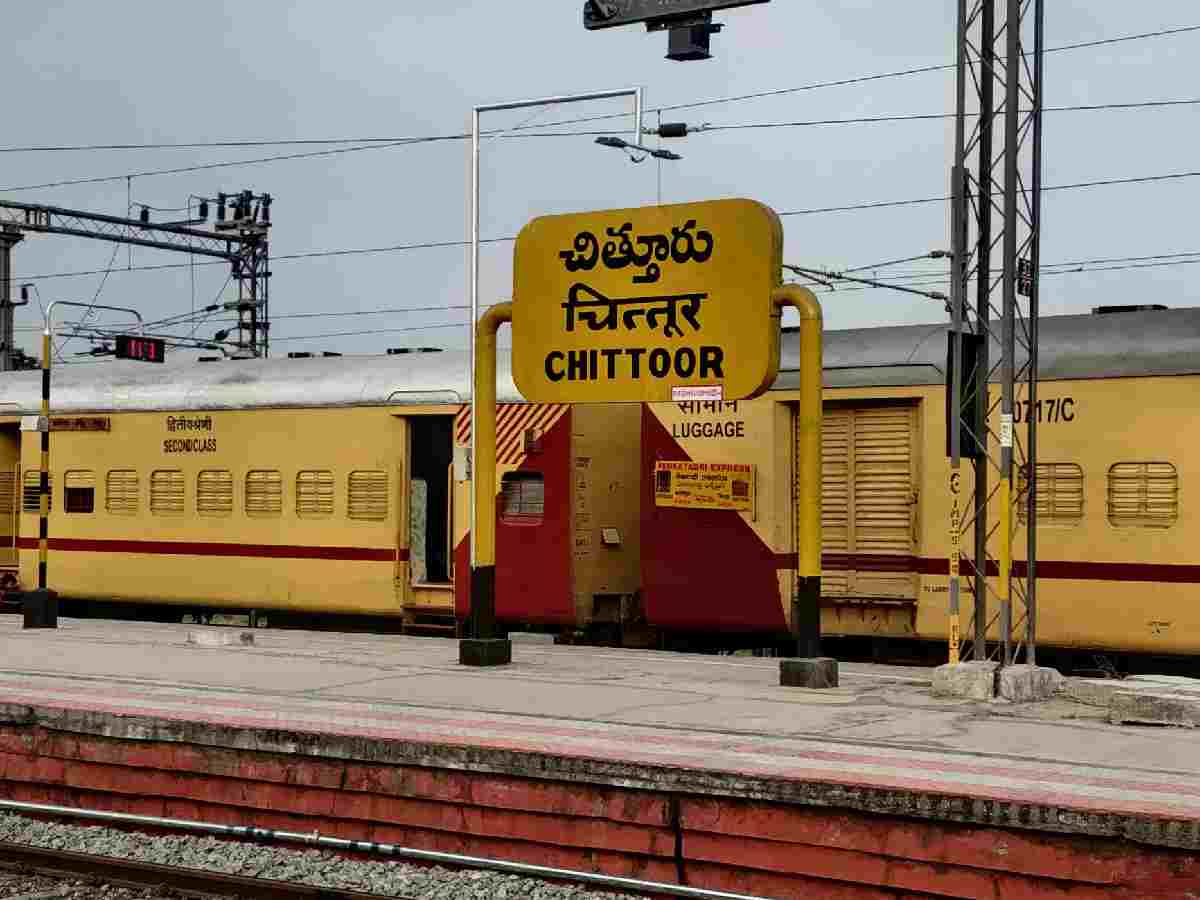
864 79
424 245
931 279
369 142
315 337
378 143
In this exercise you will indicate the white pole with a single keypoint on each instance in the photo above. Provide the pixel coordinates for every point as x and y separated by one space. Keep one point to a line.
636 94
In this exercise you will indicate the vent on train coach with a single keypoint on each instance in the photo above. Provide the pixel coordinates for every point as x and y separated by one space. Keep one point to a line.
1143 307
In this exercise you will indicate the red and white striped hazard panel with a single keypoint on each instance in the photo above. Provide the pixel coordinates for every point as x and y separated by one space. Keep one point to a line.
516 425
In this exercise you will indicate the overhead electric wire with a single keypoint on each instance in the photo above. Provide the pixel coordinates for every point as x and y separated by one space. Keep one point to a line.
864 79
380 143
425 245
227 164
318 337
372 312
922 117
884 204
370 142
375 143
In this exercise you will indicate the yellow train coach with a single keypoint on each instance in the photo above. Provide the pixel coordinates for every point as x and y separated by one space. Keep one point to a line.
1118 480
339 486
335 486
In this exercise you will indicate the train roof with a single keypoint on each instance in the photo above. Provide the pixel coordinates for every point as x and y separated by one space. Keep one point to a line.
1099 345
1126 344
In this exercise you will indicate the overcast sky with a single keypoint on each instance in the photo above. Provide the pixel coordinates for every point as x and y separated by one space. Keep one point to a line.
145 71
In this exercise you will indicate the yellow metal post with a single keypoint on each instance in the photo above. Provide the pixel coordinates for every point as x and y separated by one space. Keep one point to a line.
955 554
482 648
44 480
1004 583
806 606
41 606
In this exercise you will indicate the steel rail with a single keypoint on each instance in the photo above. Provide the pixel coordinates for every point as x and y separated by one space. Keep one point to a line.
252 834
49 862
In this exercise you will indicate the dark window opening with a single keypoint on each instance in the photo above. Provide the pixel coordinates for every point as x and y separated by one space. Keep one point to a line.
79 499
431 445
523 498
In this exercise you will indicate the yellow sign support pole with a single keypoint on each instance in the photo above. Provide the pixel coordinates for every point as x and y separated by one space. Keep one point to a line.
44 470
806 606
482 647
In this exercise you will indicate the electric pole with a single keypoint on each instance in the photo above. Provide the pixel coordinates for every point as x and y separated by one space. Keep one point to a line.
9 238
1000 50
239 236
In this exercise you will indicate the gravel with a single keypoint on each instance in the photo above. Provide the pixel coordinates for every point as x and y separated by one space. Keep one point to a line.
314 867
16 885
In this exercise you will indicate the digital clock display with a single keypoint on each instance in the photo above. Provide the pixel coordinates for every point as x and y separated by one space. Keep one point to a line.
142 349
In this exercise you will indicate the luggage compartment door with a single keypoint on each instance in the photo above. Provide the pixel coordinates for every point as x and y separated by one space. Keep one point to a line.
869 502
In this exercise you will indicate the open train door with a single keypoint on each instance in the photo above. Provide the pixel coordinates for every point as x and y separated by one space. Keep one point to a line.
869 516
428 579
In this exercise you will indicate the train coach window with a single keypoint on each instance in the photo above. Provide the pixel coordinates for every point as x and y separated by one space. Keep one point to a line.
1144 494
314 494
1059 494
368 495
30 497
121 492
166 492
79 494
214 492
523 498
264 493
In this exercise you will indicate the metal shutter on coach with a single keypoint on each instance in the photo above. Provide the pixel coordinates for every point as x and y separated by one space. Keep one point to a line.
264 493
1059 494
214 492
166 492
368 495
121 492
1143 494
30 500
314 494
869 502
8 493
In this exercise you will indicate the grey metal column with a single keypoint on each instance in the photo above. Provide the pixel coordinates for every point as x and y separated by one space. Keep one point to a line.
958 296
996 222
1035 258
983 286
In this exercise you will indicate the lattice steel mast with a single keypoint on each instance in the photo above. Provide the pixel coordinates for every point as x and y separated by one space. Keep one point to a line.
240 238
999 52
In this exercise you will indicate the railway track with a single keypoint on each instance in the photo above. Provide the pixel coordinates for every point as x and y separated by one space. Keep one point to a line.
54 863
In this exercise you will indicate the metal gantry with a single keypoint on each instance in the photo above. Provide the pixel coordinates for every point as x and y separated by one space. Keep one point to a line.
239 238
995 223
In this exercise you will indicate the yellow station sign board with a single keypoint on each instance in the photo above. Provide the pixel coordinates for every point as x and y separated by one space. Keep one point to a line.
653 304
697 485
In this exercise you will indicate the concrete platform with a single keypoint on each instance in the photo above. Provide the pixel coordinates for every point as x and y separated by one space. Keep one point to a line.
664 766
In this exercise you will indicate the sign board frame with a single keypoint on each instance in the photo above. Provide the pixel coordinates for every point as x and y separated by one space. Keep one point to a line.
630 305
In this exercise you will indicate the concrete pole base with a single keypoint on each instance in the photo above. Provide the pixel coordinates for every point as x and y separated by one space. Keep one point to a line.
974 680
484 652
817 672
40 608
